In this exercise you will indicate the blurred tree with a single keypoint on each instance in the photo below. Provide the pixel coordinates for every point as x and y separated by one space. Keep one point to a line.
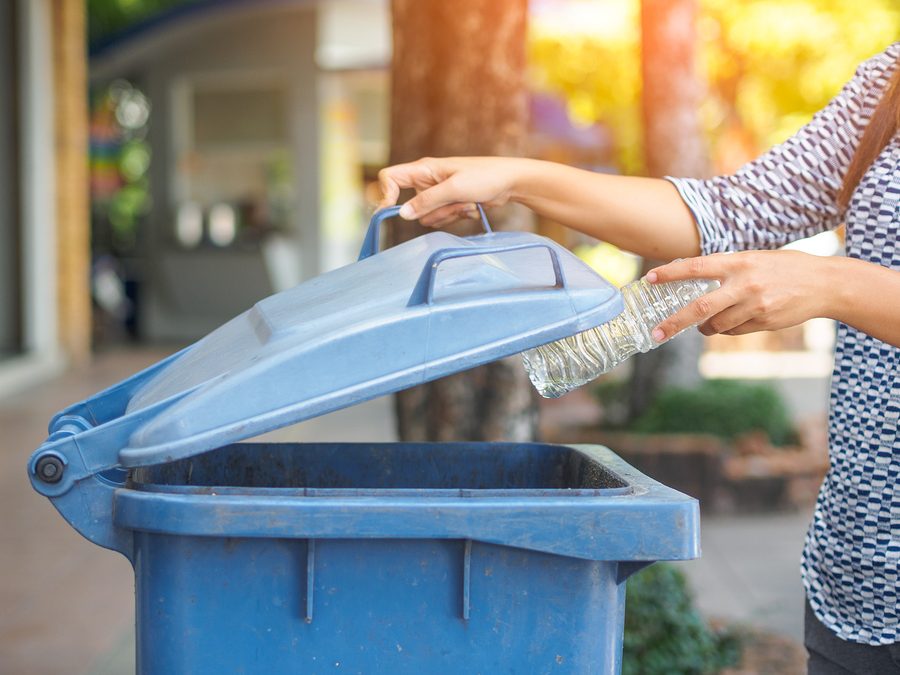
671 91
458 88
673 145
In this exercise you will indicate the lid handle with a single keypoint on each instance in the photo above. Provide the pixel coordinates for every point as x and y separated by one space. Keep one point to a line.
423 292
373 234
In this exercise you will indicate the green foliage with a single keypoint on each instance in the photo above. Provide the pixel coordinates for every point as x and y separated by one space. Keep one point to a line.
664 634
725 408
119 161
107 17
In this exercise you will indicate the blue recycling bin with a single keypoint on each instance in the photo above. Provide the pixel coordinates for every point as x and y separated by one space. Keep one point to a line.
365 558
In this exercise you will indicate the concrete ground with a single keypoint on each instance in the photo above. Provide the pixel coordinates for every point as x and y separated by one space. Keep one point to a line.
68 605
749 571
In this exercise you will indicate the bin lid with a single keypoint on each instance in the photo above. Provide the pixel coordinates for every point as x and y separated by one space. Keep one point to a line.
432 306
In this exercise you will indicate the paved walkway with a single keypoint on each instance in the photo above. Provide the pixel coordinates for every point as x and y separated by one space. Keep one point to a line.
749 571
68 605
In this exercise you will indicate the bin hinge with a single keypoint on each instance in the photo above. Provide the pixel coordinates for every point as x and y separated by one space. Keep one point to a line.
83 496
81 485
49 465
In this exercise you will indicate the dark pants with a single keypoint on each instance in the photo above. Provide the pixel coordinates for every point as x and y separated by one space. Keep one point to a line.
830 655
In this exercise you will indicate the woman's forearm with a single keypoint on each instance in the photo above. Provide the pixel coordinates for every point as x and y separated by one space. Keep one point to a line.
644 215
864 295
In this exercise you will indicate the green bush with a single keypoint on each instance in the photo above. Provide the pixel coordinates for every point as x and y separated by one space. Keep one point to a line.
664 634
725 408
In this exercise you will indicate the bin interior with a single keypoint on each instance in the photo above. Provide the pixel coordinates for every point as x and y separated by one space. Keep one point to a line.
387 466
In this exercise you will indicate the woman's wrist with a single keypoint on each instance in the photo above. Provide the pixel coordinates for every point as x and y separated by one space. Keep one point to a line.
821 285
843 282
528 175
831 286
864 295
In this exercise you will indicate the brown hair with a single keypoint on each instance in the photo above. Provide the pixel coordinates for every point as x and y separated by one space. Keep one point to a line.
882 126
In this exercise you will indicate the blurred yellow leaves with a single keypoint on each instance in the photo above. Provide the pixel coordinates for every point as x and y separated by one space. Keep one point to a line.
587 52
614 265
769 65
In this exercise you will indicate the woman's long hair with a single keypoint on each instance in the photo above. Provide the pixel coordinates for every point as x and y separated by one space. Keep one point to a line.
882 126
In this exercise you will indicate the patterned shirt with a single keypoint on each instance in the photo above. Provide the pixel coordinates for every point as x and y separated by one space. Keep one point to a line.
851 560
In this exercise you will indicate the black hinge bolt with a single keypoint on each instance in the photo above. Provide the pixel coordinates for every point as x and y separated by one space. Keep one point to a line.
50 469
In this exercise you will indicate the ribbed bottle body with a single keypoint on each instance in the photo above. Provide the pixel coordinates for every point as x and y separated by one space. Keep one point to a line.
559 367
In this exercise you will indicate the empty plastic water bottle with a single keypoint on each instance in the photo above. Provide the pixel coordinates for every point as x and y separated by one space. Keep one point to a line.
559 367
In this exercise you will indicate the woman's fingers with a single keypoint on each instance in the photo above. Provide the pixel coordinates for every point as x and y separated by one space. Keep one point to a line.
431 200
445 215
715 312
394 178
390 190
699 311
442 182
751 326
760 290
420 174
712 266
725 321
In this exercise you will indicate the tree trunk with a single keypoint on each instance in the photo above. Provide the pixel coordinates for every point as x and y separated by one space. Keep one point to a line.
458 88
673 145
672 90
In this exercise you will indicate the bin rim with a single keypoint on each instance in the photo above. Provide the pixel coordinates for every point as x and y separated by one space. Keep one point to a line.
646 521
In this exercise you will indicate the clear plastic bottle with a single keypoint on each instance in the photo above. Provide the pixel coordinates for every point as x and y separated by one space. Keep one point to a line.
559 367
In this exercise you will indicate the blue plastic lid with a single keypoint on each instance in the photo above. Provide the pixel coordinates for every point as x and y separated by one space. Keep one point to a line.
430 307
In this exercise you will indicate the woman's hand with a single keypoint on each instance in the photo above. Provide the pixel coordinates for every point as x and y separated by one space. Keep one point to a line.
448 188
760 290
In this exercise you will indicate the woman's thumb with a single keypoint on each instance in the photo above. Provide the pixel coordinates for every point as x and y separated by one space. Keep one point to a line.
427 201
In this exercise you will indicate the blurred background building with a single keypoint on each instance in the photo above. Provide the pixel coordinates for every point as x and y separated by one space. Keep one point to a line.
230 144
45 309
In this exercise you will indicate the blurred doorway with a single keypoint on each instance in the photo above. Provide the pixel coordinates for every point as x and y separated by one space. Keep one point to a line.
10 229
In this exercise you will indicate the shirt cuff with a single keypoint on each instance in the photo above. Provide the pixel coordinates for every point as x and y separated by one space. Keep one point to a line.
696 194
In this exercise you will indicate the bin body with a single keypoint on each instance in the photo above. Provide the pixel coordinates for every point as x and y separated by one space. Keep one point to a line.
223 605
278 558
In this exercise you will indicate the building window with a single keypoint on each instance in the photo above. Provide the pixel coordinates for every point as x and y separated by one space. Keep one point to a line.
231 158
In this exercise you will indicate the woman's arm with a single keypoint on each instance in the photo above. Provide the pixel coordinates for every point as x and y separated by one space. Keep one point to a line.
643 215
768 290
761 290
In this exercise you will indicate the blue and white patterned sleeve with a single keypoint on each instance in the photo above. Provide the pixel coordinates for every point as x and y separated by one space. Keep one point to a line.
790 192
